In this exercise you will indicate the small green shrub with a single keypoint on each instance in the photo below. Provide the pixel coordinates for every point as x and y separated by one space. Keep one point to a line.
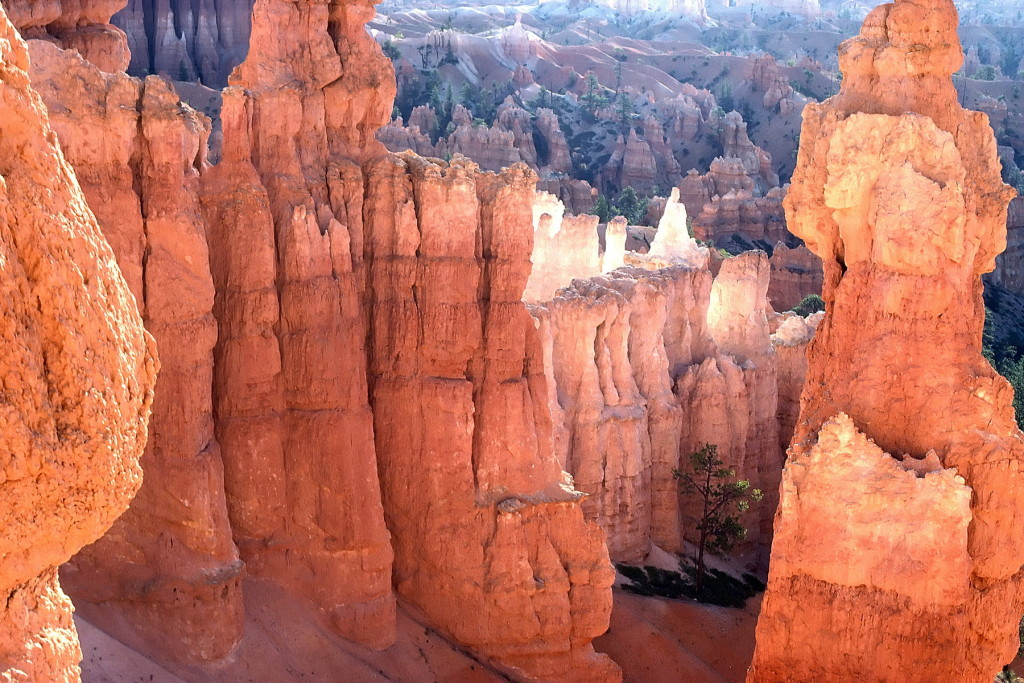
812 303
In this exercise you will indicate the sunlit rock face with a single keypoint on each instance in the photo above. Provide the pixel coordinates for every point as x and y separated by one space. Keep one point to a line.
898 191
142 182
393 286
646 366
74 25
78 369
564 248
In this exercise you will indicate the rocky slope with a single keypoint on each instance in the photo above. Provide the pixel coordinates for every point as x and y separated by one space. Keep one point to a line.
78 369
916 441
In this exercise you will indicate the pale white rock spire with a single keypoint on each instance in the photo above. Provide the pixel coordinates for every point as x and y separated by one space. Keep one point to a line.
672 242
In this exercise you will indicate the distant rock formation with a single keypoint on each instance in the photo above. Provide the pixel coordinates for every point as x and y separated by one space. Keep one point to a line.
78 370
903 426
796 272
1009 272
188 41
650 365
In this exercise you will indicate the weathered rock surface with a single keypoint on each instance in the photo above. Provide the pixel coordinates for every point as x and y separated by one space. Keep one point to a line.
190 41
79 372
564 248
647 367
796 272
142 182
74 25
490 545
917 434
284 209
490 542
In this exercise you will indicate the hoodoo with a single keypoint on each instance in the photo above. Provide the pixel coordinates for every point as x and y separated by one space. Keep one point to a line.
77 369
900 533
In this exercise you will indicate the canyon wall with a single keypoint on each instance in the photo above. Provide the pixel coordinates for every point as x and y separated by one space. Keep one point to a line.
647 366
166 576
903 426
188 41
78 369
298 404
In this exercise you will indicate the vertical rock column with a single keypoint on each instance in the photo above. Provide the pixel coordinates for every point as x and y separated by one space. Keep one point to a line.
77 369
284 209
490 541
166 577
900 531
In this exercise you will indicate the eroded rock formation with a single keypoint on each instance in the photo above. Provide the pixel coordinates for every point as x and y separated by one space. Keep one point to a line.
190 41
78 370
84 27
648 367
143 185
903 425
564 248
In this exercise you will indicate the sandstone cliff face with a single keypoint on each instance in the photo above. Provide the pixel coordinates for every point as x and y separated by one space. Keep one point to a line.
74 25
284 209
490 542
919 437
139 154
79 369
490 545
647 367
796 272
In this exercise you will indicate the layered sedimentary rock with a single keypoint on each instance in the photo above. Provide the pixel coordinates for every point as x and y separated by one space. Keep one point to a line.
490 542
284 210
796 272
189 41
143 184
564 248
490 545
648 366
616 344
84 27
741 220
903 424
78 369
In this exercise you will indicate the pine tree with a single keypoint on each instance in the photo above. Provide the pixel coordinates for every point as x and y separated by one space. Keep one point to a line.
723 500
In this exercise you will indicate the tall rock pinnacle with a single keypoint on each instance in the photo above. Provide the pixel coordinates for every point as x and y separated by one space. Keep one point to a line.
899 537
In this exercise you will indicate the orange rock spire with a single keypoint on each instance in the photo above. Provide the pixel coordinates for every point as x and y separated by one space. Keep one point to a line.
899 538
